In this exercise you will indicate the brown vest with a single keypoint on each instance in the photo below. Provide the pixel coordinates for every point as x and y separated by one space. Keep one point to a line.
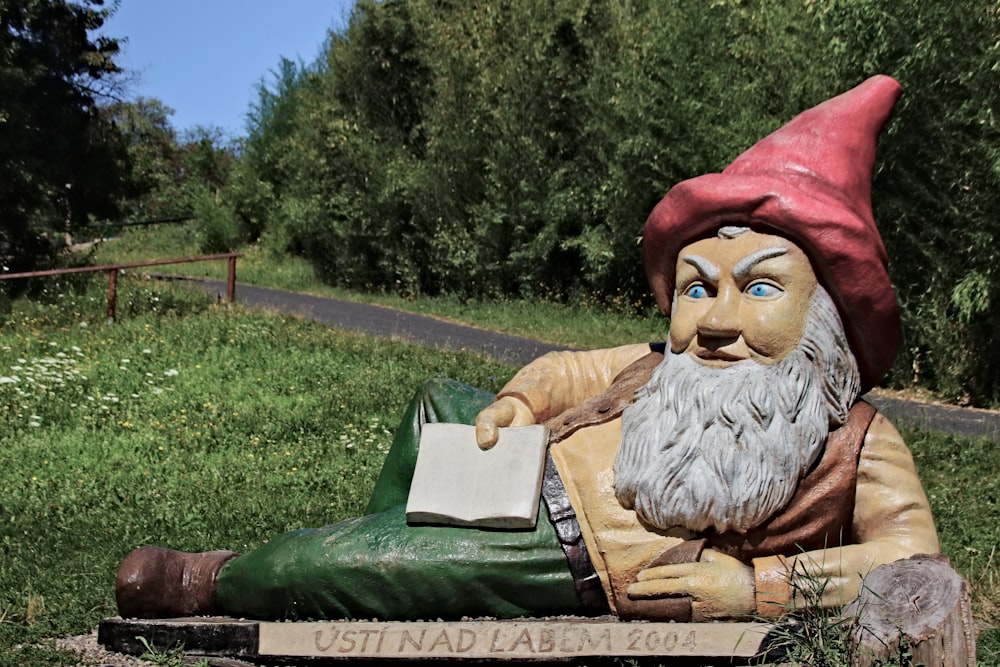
819 515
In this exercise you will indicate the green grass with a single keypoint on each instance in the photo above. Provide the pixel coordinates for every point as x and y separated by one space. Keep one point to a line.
586 323
213 429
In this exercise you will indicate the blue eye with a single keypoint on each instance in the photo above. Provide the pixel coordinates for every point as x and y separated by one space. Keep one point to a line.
697 292
764 290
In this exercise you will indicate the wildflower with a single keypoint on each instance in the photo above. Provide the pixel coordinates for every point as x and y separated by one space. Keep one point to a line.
171 373
9 379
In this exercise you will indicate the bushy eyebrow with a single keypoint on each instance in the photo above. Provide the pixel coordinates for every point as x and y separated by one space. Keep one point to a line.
707 269
744 266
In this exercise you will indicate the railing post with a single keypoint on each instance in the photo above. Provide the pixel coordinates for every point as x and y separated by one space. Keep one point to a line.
231 284
112 294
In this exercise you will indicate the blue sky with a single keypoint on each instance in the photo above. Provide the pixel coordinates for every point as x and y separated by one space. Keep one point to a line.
204 58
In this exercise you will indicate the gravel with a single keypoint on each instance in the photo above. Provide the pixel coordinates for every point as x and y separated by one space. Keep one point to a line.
93 654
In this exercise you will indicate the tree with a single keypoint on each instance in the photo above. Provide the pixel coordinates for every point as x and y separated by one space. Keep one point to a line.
60 162
937 186
153 156
514 147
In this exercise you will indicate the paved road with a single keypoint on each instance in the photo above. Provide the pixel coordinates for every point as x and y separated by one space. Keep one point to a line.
398 325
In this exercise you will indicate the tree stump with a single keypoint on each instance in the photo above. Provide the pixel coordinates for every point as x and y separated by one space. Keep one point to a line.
918 606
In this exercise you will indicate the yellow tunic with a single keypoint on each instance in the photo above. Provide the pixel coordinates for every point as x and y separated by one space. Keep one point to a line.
892 518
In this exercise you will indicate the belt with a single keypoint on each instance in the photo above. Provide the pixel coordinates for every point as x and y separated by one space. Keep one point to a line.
563 518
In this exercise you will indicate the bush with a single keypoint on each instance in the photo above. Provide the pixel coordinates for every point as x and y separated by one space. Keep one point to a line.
215 224
516 149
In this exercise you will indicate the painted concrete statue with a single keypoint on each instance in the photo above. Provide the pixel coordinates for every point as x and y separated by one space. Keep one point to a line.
686 480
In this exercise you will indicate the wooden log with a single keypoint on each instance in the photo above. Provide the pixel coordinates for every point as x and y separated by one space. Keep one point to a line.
917 606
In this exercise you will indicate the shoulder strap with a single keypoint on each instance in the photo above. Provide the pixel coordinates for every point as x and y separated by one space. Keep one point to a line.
608 406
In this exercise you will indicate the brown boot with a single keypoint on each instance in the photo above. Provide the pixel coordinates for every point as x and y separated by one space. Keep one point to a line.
153 582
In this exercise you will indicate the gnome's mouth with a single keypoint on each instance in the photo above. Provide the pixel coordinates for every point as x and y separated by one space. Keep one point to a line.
717 358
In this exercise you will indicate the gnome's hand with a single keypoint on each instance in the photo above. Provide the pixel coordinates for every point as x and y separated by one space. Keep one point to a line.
719 585
506 411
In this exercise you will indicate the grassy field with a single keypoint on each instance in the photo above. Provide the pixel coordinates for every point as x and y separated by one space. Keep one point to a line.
584 324
213 429
199 426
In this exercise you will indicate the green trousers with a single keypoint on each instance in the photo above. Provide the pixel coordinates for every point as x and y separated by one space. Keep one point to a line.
377 566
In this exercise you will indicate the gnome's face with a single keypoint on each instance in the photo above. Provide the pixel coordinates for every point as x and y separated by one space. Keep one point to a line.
742 297
737 413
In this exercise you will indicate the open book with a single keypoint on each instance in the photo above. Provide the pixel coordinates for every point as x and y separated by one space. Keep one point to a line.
457 483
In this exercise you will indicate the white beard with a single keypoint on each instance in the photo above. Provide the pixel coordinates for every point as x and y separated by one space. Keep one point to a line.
725 448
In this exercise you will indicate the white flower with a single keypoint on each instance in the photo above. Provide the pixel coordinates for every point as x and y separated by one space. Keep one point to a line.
147 351
125 361
75 348
171 373
33 423
8 380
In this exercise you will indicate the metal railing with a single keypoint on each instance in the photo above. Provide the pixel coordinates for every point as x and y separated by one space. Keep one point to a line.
113 270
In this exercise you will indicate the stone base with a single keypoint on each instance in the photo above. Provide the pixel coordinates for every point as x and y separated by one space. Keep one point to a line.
523 640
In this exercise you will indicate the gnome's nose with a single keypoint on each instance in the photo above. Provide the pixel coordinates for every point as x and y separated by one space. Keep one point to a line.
722 320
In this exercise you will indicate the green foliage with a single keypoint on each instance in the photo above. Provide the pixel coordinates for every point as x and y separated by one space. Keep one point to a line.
167 658
175 176
60 163
502 150
152 148
937 191
215 225
515 148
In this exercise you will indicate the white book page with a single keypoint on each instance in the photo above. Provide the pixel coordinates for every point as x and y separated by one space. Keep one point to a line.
457 483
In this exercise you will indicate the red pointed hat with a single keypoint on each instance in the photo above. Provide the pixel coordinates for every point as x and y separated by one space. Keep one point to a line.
809 181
